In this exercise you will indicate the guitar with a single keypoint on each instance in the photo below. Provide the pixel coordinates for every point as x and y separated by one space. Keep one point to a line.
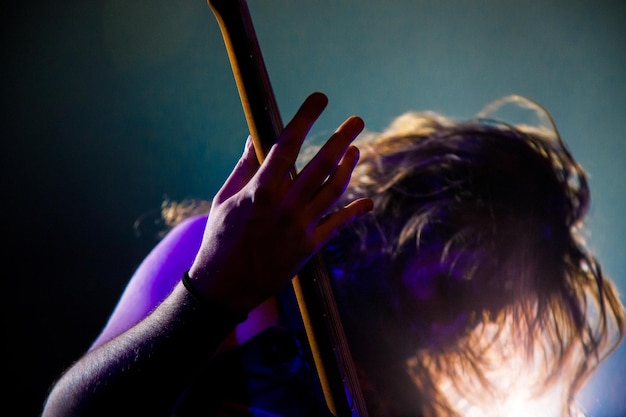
312 287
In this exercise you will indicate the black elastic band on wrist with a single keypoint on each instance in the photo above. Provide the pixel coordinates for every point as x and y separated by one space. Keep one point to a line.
191 290
211 306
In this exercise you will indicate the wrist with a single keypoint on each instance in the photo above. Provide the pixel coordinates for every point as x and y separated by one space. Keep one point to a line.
210 306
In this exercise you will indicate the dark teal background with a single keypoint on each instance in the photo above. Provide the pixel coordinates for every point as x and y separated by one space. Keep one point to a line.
108 106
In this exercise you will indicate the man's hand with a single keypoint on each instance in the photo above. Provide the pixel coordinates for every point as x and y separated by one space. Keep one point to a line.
264 225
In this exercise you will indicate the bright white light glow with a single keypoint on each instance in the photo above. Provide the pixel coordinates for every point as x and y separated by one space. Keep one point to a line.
515 391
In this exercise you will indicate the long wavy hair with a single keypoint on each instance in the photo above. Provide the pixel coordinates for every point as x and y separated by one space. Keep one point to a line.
472 273
470 285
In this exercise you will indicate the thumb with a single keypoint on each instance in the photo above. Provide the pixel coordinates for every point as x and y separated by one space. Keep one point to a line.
241 174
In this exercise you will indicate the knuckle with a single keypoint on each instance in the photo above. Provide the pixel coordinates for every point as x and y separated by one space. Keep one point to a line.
262 194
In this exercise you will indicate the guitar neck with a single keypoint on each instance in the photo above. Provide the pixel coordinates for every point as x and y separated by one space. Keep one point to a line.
253 83
312 287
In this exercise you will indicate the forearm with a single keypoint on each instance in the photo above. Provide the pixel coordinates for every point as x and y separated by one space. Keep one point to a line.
144 370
